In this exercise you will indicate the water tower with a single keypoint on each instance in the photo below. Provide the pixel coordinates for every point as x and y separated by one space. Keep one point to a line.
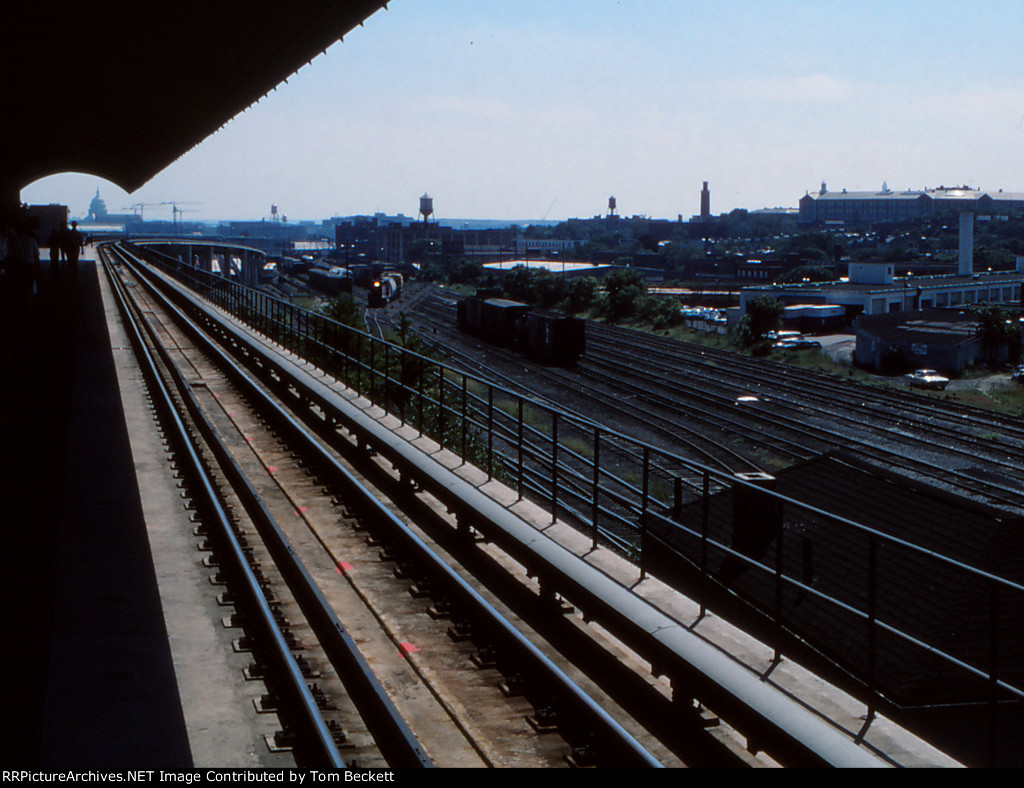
611 206
426 207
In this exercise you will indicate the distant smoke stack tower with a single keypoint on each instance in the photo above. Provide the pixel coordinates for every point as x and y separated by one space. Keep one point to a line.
705 203
966 244
426 207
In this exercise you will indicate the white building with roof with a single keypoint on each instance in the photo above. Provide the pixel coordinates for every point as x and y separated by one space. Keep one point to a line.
873 289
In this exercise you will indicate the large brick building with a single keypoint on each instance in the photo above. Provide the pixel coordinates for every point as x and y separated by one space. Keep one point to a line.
860 208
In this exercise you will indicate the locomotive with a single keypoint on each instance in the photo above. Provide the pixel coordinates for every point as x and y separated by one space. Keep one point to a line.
384 289
545 336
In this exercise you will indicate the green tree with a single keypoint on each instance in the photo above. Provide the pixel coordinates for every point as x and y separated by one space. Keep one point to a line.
550 288
764 314
344 310
581 294
466 272
518 283
625 290
997 332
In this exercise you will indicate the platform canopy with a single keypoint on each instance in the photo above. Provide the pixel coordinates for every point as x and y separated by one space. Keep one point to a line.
122 88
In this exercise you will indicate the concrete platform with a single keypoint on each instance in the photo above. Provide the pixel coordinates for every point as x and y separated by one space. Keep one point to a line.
92 682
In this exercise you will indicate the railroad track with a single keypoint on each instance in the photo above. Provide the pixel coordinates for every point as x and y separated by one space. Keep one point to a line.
894 429
778 414
338 568
614 400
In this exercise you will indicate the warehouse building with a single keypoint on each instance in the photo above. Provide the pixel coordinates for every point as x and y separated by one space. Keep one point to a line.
865 208
947 340
873 289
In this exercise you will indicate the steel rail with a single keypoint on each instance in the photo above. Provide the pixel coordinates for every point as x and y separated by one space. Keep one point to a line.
394 738
302 708
621 748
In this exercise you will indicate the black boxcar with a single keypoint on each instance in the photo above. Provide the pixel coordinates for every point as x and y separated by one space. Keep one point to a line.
471 315
556 338
499 320
546 336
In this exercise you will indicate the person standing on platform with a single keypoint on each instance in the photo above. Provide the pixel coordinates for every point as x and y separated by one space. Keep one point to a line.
21 267
73 248
56 243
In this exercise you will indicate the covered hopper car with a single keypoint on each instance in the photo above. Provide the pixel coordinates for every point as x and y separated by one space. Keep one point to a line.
546 336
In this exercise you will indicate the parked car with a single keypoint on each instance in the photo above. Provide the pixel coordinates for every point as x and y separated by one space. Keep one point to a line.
781 336
1018 375
927 379
797 343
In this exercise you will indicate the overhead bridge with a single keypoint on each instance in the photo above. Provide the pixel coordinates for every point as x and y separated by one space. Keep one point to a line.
241 263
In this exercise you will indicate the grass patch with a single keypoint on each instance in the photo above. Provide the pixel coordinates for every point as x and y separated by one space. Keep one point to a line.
1007 399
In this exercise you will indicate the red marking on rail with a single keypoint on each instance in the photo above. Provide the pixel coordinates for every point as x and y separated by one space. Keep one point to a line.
408 648
343 566
272 469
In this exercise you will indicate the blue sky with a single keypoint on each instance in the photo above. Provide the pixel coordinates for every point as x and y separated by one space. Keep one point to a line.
524 109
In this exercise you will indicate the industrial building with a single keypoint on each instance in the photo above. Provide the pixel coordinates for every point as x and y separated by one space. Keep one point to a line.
862 208
873 289
919 321
946 340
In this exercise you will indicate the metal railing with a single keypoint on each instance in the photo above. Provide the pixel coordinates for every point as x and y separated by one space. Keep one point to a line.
677 519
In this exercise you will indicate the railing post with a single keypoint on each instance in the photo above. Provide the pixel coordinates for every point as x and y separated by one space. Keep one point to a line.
644 501
387 378
346 354
705 519
778 589
519 447
465 425
420 387
440 407
595 503
554 467
401 387
359 363
872 614
490 432
371 387
993 676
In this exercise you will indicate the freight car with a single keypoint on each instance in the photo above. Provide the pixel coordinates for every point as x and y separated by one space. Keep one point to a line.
546 336
331 280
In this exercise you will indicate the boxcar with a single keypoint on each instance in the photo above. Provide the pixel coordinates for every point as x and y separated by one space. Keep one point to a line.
554 337
546 336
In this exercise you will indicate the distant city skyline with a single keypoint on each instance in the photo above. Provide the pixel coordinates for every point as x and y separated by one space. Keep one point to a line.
530 111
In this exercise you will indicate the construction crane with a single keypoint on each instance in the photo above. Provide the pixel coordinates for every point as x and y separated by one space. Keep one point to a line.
176 211
141 207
